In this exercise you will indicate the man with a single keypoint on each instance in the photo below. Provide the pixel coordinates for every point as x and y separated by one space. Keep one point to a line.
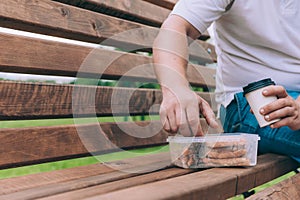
254 40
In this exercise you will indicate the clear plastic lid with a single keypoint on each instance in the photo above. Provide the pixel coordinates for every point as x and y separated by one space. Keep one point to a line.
213 137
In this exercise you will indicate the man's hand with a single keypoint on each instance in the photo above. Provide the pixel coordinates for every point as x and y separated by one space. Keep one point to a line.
286 108
181 106
180 112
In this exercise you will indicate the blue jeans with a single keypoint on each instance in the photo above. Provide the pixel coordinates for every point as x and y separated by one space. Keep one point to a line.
236 117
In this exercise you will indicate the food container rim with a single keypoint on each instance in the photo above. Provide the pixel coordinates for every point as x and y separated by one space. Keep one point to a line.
213 138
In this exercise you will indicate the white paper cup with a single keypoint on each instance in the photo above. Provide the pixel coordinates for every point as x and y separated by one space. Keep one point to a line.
256 100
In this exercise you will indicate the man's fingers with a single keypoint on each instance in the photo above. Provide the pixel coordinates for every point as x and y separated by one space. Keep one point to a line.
275 90
182 121
194 121
168 120
208 114
283 105
164 119
172 121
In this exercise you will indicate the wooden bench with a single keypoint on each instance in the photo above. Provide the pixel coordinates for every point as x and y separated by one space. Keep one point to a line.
125 29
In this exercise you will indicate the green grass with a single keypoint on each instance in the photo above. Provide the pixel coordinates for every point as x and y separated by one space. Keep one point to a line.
68 121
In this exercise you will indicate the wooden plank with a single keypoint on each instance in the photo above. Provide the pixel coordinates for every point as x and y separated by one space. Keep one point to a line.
121 184
38 100
16 184
287 189
125 169
133 10
23 146
57 19
169 4
216 183
36 56
208 184
164 3
270 166
34 100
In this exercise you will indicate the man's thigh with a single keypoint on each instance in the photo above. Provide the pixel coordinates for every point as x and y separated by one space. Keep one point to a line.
238 118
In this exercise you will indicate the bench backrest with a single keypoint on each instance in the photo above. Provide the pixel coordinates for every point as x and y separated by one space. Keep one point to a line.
125 29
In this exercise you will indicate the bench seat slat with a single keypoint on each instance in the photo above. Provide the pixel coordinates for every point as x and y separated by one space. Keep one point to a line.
16 184
286 189
51 183
121 184
217 183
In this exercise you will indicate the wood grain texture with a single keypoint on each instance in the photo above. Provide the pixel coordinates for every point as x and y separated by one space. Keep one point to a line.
164 3
269 167
121 184
26 100
207 184
36 56
57 19
217 183
23 146
133 10
287 189
16 184
100 174
38 100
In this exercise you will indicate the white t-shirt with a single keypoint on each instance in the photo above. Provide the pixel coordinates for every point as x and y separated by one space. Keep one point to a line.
255 39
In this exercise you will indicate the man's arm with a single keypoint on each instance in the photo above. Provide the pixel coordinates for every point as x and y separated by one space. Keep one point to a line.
181 106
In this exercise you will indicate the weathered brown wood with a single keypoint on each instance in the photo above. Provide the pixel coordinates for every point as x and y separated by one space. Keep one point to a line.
217 183
287 189
38 100
53 18
121 184
164 3
133 10
124 169
26 100
169 4
208 184
59 19
37 56
22 146
269 167
16 184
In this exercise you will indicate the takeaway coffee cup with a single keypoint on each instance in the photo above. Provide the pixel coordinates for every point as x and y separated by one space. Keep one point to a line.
256 100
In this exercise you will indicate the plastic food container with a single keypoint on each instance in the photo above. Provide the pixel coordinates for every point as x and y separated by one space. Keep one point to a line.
214 150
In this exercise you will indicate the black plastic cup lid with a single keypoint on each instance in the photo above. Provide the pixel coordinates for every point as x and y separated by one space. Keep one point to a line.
257 85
